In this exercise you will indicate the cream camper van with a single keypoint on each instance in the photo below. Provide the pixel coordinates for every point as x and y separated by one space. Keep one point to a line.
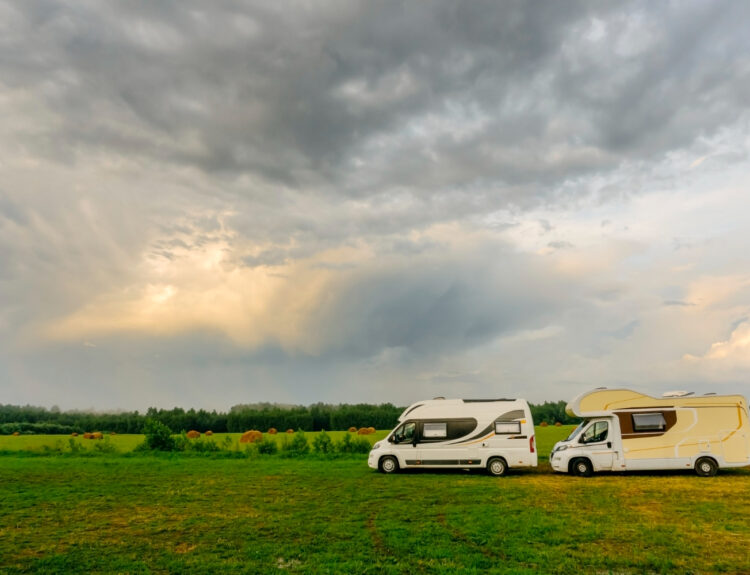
491 434
624 430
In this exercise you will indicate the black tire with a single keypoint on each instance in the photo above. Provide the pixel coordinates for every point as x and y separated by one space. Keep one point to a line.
497 467
388 464
581 467
706 467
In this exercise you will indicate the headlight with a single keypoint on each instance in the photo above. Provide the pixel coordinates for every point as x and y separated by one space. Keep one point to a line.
561 448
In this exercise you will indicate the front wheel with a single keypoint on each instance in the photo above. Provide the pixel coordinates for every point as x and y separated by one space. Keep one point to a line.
706 467
497 467
581 468
388 464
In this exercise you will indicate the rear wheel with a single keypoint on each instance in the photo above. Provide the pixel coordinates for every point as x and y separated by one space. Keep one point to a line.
388 464
706 467
581 467
497 467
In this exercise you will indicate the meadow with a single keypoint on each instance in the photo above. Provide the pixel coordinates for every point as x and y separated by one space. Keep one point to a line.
169 513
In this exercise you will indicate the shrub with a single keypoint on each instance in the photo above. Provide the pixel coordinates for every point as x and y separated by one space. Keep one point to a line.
158 436
353 445
193 434
251 436
323 443
203 446
297 446
105 446
75 447
267 447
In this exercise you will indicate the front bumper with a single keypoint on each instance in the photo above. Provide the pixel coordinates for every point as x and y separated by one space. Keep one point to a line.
372 460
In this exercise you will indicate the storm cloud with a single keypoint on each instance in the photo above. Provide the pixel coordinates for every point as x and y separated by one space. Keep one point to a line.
347 201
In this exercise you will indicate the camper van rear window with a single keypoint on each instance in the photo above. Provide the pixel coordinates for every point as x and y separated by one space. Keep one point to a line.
649 422
435 430
507 427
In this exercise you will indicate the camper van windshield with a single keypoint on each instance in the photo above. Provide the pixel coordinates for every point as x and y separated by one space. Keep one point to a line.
577 430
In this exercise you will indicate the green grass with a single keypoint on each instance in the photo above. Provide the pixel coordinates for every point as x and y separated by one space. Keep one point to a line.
126 443
171 513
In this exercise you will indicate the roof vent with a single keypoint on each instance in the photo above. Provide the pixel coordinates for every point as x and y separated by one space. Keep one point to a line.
712 393
677 393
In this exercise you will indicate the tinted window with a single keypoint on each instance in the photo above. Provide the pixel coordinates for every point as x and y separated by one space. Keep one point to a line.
596 432
405 433
649 422
446 429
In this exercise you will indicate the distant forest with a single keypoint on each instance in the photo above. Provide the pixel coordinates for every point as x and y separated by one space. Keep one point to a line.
262 416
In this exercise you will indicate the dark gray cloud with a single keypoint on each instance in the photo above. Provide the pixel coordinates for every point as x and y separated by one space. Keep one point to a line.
502 101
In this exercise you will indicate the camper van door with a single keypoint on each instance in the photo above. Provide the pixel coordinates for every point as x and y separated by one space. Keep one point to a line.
598 439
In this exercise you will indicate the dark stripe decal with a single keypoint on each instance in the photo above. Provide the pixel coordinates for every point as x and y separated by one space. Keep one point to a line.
507 416
443 462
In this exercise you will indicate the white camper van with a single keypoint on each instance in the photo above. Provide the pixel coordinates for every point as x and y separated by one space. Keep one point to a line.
624 430
495 434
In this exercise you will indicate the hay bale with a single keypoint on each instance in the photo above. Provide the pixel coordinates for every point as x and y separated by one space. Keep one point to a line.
543 424
88 435
208 433
193 434
290 431
251 436
112 433
16 433
371 430
74 434
97 435
352 429
558 424
363 431
272 431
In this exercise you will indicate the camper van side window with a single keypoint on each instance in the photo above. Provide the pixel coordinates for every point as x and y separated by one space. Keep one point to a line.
504 427
435 430
649 422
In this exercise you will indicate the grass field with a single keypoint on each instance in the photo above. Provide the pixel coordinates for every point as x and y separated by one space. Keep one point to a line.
125 443
172 513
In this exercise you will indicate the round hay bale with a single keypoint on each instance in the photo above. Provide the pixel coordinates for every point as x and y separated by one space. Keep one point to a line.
363 431
208 432
558 424
112 433
88 435
371 430
543 424
74 434
272 431
97 435
352 430
251 436
16 433
193 434
290 431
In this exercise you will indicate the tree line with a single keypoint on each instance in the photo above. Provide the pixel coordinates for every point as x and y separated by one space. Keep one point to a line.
239 418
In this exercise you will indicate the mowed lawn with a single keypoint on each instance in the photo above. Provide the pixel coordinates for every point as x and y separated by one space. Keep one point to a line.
189 514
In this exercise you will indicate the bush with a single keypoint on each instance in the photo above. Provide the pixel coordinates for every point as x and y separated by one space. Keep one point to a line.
158 436
105 446
297 446
356 445
323 443
267 447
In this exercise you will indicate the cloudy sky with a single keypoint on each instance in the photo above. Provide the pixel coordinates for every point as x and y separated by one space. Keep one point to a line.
203 204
